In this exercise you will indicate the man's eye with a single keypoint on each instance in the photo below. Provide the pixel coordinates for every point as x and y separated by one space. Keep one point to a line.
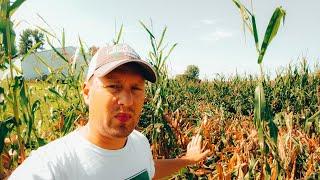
137 89
113 86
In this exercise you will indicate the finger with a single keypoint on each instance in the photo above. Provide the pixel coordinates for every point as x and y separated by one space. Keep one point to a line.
199 129
199 140
189 145
205 154
193 141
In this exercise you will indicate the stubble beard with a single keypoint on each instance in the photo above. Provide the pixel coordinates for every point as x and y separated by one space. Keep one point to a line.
122 130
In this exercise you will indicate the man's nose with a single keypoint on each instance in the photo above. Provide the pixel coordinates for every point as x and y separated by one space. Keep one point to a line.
125 98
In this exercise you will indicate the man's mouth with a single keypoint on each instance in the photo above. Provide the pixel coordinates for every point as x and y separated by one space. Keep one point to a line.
123 117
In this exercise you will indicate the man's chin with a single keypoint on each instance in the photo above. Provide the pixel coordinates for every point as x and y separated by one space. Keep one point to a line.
121 132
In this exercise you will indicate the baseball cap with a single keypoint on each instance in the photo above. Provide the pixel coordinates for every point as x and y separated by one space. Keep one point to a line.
109 57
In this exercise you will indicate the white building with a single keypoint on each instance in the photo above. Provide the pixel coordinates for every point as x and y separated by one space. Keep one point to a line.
45 62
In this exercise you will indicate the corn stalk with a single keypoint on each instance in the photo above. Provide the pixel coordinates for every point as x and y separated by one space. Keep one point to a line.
8 42
158 129
262 113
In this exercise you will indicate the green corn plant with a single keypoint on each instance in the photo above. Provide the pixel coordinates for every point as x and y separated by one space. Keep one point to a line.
7 9
262 113
82 51
66 95
28 109
158 130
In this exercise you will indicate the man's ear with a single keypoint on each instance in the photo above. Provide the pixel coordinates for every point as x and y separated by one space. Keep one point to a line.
85 92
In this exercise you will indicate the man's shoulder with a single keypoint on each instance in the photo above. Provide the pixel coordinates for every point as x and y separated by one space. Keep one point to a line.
137 133
138 136
47 161
56 148
62 141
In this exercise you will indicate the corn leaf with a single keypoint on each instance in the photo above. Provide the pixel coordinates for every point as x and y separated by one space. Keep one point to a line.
1 95
153 47
261 137
43 61
255 32
46 31
161 38
63 39
23 96
56 93
311 120
35 107
145 27
4 6
273 131
41 141
56 51
17 82
51 29
170 51
68 121
5 127
158 106
259 104
31 50
237 3
119 35
241 6
271 31
82 52
8 38
268 171
2 29
16 4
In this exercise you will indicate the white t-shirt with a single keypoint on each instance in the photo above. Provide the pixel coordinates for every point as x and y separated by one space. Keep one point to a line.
74 157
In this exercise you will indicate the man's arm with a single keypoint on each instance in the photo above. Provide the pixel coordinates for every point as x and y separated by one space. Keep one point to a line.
166 167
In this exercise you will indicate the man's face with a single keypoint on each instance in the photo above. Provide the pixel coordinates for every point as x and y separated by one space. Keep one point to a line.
115 102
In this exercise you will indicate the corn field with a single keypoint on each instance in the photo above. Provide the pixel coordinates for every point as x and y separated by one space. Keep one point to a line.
256 127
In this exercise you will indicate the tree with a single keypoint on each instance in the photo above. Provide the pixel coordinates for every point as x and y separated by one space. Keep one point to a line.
28 39
192 72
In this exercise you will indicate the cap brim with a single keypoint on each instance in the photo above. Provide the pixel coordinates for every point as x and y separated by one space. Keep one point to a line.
149 73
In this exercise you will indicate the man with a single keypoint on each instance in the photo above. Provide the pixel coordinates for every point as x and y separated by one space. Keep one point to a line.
108 147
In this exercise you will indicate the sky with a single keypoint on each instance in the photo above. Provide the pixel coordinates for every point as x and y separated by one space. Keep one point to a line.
209 33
